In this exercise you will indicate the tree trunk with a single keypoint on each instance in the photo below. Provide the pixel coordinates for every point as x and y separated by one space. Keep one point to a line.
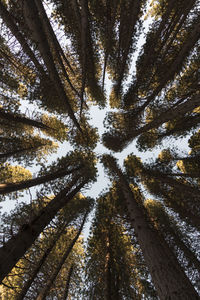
121 63
36 28
6 188
168 277
22 119
185 214
108 270
169 228
188 189
66 291
183 175
191 257
168 115
18 151
57 50
175 65
45 290
8 19
51 35
174 32
16 247
39 265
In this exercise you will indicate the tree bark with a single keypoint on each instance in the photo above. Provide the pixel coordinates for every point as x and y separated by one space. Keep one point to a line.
45 290
8 19
192 259
108 269
18 151
6 188
57 50
131 24
174 183
168 115
39 265
22 119
168 277
36 28
186 214
66 291
51 34
175 65
16 247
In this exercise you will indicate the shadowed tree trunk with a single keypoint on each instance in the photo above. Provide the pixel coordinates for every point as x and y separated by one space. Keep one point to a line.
31 15
19 151
66 291
22 119
16 247
57 50
169 115
6 188
8 19
168 277
39 265
188 189
45 290
108 269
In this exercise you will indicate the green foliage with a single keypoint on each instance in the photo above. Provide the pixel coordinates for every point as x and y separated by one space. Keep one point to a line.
109 248
12 174
54 58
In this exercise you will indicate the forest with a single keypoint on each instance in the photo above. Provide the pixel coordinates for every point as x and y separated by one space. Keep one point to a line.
138 62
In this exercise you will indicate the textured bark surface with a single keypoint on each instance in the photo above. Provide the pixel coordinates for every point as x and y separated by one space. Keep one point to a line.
45 290
12 187
38 34
168 277
174 183
169 115
23 120
39 265
8 19
16 247
66 291
57 51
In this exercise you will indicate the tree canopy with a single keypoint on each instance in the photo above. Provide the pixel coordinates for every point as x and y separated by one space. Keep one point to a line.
138 62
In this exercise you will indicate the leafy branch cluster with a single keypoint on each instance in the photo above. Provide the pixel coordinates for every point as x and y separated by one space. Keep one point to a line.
55 56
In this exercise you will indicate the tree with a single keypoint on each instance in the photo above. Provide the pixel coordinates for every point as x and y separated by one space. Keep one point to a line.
42 254
178 194
177 238
45 290
26 149
30 231
110 247
140 61
161 270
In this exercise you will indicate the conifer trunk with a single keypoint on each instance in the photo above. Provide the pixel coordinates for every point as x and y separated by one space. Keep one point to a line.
23 120
16 247
39 265
6 188
66 291
108 269
186 215
45 290
18 151
167 275
36 28
174 183
169 115
8 19
191 257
